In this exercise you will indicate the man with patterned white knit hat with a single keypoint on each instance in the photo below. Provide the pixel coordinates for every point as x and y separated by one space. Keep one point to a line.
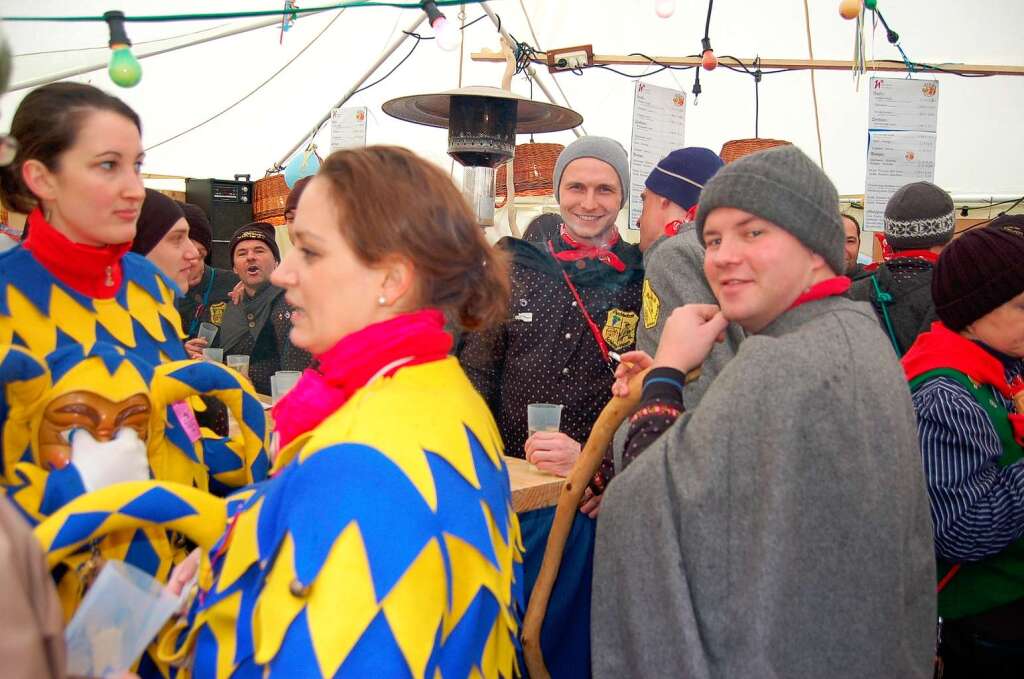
919 222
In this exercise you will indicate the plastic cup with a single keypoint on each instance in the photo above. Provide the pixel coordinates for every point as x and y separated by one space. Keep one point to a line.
207 331
543 417
214 355
281 383
239 362
121 613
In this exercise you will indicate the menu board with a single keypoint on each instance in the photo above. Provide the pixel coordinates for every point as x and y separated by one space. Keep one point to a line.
902 121
659 120
895 159
348 128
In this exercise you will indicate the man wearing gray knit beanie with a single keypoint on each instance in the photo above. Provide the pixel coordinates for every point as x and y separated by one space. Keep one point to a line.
575 301
919 222
783 522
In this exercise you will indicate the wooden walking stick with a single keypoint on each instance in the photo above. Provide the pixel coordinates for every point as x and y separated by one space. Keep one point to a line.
589 461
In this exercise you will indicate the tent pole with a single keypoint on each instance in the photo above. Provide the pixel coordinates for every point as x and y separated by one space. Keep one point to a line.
141 54
529 69
352 90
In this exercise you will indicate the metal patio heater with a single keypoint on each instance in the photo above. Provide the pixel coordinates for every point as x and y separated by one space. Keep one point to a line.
482 125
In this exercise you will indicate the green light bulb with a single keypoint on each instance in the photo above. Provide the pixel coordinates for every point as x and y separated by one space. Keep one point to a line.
125 70
871 4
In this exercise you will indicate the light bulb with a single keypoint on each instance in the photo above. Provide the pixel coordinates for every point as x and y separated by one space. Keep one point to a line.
125 70
708 60
447 34
849 9
664 8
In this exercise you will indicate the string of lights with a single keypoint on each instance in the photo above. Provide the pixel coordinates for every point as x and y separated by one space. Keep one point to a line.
159 18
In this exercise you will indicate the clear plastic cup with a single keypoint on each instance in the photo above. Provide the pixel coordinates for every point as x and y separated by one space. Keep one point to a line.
543 417
239 362
207 331
119 616
281 383
213 354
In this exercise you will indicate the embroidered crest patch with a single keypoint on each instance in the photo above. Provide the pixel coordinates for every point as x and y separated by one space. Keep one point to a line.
650 305
620 329
217 312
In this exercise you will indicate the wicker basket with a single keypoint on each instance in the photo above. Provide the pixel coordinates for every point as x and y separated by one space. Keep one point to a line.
533 167
268 198
737 148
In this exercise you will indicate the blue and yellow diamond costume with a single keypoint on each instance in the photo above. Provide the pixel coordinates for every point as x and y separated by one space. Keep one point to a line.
41 314
386 544
53 341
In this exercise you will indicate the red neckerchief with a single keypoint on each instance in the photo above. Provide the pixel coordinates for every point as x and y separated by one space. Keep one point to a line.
675 226
827 288
926 255
582 251
86 269
940 347
355 360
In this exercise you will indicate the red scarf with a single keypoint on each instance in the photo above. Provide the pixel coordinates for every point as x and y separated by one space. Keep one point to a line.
827 288
356 359
926 255
89 270
940 347
582 251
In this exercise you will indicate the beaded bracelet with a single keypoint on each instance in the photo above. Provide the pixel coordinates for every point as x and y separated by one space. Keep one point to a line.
655 409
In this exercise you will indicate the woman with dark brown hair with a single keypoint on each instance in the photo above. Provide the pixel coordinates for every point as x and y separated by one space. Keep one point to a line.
386 543
74 283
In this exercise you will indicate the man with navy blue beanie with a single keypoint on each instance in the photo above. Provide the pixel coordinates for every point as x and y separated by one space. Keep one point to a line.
674 255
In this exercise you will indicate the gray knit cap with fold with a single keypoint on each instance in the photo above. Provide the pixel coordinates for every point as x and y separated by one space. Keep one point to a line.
601 148
785 187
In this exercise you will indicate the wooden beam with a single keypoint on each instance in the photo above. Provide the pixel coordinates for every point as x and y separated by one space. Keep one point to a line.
770 64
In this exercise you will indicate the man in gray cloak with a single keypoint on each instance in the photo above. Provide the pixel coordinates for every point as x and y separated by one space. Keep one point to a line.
781 528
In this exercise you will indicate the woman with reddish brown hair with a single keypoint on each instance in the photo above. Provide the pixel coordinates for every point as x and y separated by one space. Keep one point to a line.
386 543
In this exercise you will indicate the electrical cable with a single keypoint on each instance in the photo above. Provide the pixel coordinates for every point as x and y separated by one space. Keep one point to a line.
253 91
533 34
989 221
158 18
107 47
418 39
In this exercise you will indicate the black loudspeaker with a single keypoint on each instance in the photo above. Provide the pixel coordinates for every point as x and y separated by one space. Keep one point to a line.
228 204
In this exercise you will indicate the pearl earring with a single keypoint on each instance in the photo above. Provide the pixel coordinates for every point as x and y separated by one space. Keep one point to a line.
382 300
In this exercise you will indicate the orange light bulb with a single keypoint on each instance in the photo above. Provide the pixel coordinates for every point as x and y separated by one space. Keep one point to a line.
849 9
708 60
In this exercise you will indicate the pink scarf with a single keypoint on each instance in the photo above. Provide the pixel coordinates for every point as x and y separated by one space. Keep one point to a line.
409 339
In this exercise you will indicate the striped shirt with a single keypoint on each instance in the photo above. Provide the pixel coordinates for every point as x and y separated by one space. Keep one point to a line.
977 505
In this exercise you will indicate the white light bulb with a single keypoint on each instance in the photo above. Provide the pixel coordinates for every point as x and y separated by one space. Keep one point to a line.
447 34
664 8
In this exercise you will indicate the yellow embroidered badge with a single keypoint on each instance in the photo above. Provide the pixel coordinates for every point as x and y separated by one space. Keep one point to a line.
620 329
217 312
651 306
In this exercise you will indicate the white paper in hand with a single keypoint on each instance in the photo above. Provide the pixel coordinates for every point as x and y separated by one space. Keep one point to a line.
119 616
101 464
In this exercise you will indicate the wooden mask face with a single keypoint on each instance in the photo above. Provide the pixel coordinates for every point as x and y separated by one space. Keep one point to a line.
101 417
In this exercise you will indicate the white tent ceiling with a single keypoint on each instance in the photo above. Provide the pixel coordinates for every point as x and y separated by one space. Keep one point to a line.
979 139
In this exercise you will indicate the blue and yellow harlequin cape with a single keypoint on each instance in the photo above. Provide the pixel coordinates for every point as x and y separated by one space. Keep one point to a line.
40 314
385 545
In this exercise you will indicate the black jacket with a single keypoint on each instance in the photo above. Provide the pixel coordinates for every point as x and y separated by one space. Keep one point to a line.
546 352
908 281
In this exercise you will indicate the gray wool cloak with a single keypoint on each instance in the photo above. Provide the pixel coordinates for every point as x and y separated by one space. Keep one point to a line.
782 528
